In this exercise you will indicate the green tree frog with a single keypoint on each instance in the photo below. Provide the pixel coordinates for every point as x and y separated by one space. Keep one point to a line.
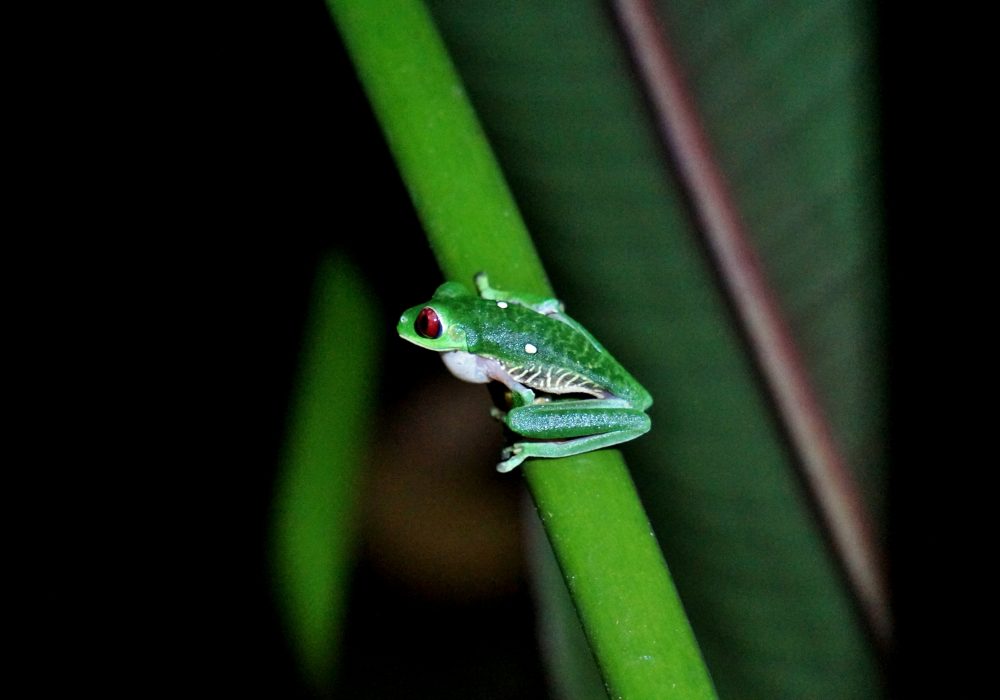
568 394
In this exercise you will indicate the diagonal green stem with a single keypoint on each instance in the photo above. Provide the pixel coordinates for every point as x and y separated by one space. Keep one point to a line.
598 529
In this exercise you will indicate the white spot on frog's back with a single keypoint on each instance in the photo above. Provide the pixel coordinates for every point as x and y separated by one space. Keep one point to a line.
502 304
530 349
465 366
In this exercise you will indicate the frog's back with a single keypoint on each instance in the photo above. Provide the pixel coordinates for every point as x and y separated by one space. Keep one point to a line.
552 355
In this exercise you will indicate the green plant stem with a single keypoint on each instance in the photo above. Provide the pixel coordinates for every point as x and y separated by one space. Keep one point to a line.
458 191
599 532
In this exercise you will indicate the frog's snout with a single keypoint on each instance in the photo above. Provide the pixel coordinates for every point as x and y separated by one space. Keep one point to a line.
404 322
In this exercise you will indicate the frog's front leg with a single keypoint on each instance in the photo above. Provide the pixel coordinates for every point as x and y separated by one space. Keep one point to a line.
570 427
543 305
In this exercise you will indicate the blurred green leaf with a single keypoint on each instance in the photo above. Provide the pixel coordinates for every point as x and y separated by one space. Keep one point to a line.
313 527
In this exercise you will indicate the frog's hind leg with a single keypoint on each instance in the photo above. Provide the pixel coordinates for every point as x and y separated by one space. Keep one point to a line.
521 451
571 427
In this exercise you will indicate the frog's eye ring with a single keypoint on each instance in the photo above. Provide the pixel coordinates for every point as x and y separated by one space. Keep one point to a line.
428 323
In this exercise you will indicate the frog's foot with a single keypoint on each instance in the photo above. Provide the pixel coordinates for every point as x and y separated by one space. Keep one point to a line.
482 282
521 451
498 414
512 457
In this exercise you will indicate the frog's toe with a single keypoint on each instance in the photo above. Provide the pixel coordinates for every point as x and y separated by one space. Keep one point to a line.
513 456
510 451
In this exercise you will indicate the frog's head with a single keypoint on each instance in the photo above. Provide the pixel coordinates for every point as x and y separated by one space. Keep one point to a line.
434 326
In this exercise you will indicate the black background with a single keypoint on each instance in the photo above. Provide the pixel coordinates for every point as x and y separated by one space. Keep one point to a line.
189 167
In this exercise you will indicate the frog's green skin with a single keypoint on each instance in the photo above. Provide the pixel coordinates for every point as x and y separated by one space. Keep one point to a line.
569 394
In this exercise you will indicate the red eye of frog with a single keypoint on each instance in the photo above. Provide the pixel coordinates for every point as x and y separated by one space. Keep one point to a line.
428 323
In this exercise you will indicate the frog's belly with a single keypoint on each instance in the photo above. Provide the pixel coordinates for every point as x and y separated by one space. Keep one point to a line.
469 367
551 380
